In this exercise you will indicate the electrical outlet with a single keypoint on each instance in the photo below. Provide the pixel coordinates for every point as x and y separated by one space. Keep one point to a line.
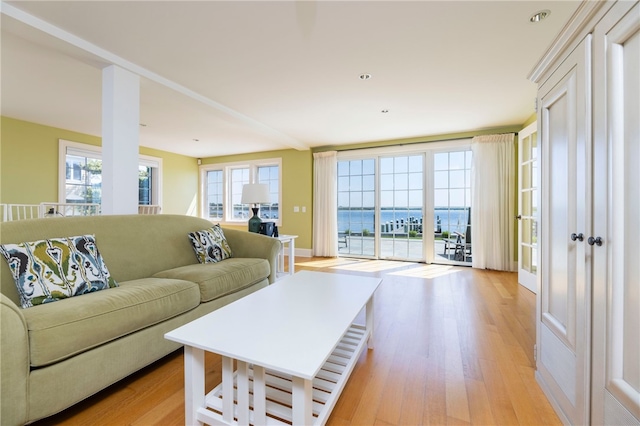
296 209
304 209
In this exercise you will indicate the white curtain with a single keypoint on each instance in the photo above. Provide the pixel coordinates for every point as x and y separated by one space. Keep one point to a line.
493 201
325 204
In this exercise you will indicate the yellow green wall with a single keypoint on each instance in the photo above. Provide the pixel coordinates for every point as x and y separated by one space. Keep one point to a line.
297 187
534 117
29 167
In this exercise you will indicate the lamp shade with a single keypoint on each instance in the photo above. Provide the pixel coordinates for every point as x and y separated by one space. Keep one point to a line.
255 193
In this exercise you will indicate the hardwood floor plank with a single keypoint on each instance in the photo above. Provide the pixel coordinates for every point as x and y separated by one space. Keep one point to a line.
414 400
479 407
365 412
351 395
161 413
393 394
499 398
457 403
452 346
543 407
514 385
435 408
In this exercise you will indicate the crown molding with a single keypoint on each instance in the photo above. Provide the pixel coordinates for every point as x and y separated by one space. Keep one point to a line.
573 31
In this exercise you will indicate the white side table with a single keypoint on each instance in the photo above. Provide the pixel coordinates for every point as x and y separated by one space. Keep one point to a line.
289 240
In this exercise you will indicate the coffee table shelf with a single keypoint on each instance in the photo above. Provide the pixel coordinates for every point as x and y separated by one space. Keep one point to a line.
327 386
294 345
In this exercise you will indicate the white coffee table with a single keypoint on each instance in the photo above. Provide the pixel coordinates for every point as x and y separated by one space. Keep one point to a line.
294 342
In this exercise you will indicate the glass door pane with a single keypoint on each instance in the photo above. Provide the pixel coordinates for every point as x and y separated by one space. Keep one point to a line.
452 207
528 207
401 207
356 207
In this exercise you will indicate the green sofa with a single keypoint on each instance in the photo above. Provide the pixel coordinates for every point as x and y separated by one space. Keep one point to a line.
57 354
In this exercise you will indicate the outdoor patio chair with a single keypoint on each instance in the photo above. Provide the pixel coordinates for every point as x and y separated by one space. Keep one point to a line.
342 239
461 243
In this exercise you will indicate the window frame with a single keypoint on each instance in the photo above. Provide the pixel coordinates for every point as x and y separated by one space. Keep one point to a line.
95 151
226 169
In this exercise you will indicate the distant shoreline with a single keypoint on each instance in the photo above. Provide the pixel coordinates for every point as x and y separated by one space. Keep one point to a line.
398 209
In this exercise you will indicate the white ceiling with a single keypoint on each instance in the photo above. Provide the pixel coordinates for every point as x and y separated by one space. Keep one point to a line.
243 76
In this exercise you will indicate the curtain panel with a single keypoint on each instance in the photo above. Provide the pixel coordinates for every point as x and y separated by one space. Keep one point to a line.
325 204
493 201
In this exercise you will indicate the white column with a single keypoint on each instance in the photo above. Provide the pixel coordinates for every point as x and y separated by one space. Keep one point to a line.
120 140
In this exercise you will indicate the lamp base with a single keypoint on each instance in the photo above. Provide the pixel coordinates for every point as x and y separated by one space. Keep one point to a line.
255 221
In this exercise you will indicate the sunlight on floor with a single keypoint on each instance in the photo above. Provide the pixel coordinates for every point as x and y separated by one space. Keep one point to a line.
350 264
327 263
373 265
427 271
415 270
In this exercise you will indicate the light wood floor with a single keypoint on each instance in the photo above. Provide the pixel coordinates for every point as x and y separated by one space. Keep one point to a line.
452 346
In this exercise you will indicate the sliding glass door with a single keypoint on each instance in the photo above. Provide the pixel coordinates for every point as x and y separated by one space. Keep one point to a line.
356 207
401 207
412 205
452 207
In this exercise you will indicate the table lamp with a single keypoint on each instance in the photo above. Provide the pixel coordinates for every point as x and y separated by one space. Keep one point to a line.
255 193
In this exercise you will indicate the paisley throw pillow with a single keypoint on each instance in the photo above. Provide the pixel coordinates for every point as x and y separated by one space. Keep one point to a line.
210 245
49 270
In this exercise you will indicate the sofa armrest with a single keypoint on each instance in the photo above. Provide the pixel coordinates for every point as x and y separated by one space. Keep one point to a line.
249 244
14 363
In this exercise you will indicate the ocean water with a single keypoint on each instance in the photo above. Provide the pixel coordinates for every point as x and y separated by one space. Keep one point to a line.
451 220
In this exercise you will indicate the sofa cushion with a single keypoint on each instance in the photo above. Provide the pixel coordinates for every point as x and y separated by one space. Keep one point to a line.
60 330
222 278
210 245
56 268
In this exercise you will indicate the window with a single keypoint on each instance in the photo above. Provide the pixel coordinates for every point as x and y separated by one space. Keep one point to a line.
271 176
222 190
239 176
214 195
82 179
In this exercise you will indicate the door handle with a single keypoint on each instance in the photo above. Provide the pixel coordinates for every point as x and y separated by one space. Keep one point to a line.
579 237
597 241
519 217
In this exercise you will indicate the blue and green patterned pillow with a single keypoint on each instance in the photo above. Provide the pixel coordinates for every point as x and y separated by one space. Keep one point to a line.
210 245
54 269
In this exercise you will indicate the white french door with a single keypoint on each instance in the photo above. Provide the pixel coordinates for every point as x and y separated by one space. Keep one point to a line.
528 207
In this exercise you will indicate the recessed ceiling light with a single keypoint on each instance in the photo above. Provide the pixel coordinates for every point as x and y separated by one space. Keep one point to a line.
365 76
539 16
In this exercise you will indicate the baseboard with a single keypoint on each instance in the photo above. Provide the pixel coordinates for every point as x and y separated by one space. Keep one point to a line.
304 252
